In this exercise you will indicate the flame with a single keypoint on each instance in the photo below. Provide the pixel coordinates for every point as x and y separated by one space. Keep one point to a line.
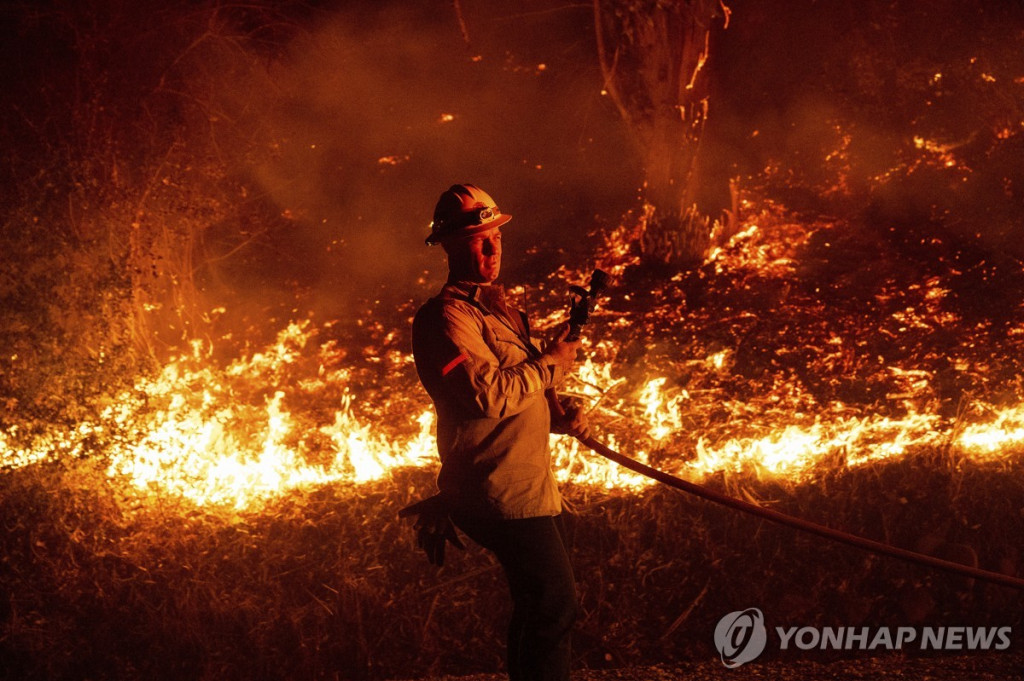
996 438
296 413
200 445
662 415
796 451
184 432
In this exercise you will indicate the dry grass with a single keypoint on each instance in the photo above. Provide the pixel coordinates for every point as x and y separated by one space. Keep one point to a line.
327 583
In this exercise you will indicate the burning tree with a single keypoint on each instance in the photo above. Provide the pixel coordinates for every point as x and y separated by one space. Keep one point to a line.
654 73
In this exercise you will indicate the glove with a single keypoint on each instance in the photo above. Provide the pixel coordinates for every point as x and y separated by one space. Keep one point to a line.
574 421
434 528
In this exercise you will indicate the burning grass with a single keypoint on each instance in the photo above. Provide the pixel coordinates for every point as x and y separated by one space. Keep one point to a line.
237 518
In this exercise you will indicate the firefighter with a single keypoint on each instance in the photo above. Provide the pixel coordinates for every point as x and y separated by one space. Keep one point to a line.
487 379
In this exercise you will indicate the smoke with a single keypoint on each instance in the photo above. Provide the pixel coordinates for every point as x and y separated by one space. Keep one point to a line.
352 133
343 128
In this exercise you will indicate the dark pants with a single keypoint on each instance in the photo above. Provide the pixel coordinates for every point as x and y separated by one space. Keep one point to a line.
532 552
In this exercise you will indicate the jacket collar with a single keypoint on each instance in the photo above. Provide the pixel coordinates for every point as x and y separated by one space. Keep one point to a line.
465 289
489 299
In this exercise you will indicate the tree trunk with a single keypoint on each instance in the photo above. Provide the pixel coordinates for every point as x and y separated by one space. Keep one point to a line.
676 231
656 79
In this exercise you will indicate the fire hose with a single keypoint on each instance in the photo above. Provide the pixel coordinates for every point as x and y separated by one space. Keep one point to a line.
799 523
582 302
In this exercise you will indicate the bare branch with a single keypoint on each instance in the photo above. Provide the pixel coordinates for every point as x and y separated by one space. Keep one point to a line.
608 72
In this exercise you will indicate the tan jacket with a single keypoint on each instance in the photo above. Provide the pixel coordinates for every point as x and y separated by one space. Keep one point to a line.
475 359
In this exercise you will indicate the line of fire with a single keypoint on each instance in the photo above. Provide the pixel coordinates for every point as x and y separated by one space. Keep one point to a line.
812 218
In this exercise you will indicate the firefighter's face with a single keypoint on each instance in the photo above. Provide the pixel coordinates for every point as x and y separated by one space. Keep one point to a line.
475 258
